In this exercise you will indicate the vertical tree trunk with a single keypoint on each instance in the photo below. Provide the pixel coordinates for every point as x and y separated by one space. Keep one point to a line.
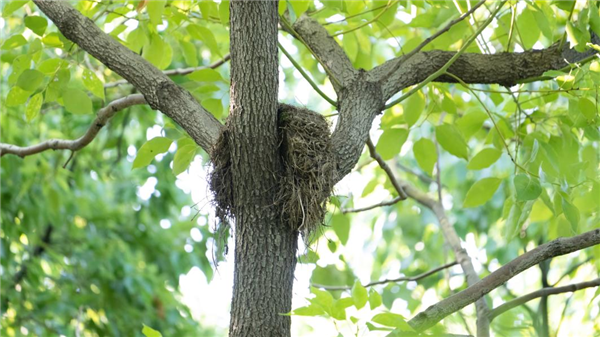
265 248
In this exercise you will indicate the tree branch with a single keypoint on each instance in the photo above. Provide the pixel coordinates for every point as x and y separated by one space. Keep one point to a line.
381 204
506 69
396 280
560 246
328 52
540 293
74 145
159 91
384 166
178 71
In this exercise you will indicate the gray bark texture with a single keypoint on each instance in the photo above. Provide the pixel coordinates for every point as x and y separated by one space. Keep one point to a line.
265 248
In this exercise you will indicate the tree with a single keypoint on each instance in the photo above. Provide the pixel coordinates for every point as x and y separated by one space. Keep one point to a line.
249 150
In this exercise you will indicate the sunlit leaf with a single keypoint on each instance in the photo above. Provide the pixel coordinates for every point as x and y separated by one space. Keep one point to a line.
451 140
391 142
359 295
481 192
149 150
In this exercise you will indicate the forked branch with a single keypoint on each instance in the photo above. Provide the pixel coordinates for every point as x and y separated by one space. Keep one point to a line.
541 293
560 246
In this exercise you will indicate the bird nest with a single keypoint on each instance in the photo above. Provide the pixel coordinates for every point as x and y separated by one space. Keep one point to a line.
307 176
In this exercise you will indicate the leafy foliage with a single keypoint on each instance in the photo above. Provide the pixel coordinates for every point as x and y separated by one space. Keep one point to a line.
517 166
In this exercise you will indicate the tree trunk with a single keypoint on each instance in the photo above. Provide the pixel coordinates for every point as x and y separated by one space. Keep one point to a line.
265 247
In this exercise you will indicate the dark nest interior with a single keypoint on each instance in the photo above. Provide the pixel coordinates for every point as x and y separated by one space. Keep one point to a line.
307 176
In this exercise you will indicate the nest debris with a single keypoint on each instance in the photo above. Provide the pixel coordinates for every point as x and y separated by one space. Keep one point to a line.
305 181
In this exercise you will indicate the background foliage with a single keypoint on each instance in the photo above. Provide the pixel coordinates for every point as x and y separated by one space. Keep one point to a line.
518 166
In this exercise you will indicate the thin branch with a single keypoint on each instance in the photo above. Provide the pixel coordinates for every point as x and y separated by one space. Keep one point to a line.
433 37
396 280
381 204
540 293
387 6
560 246
447 65
74 145
178 71
305 75
572 269
384 166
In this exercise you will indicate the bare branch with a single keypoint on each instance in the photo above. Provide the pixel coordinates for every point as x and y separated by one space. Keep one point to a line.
74 145
328 52
540 293
178 71
396 280
381 204
384 166
158 89
560 246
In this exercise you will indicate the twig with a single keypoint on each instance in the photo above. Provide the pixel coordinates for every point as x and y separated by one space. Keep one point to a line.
388 6
445 67
381 204
74 145
179 71
433 37
572 269
384 166
305 75
396 280
539 293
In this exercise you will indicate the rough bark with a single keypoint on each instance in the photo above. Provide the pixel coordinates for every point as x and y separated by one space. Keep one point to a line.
158 89
265 248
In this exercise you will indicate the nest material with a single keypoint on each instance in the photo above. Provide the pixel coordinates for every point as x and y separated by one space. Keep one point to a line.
306 179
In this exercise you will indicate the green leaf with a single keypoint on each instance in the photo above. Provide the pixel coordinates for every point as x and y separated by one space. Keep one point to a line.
205 75
52 40
528 188
77 101
214 106
322 299
17 96
14 42
588 109
359 295
391 142
155 10
393 320
93 83
425 154
374 299
517 215
311 310
224 12
33 107
137 39
572 214
50 66
37 24
30 79
12 6
206 36
149 150
339 308
451 140
413 108
299 6
528 28
189 53
481 192
341 226
158 52
186 151
470 123
577 37
485 158
148 331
